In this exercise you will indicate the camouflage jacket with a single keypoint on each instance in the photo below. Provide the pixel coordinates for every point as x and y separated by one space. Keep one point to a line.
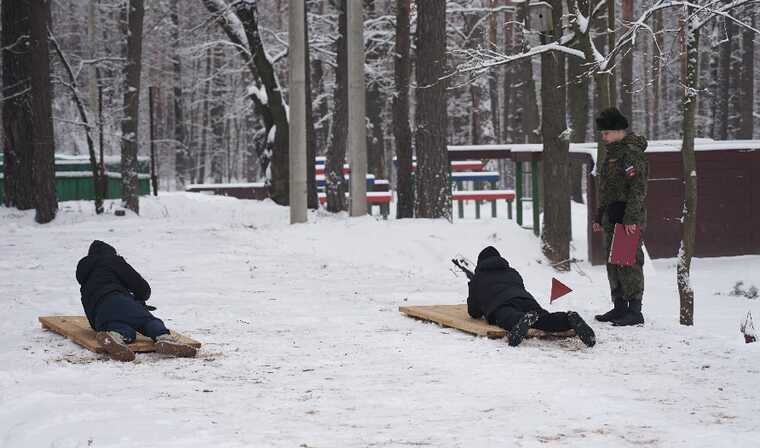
623 179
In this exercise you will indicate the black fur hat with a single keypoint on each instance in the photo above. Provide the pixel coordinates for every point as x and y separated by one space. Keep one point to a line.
611 120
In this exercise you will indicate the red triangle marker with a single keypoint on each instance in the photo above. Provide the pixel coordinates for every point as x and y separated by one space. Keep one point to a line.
559 289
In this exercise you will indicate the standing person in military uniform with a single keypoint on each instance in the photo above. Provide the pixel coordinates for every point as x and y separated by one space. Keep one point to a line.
622 190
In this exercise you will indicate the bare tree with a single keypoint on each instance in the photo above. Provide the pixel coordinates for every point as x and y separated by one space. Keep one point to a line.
129 126
747 97
688 157
239 21
401 130
43 141
17 109
626 79
555 237
335 184
375 140
433 190
96 168
181 155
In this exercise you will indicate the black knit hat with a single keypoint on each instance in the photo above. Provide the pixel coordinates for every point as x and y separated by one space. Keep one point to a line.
611 120
488 252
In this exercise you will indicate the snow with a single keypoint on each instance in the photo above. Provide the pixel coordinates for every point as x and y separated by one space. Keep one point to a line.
304 344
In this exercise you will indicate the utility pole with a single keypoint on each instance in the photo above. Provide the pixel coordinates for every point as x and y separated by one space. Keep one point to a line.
357 128
297 125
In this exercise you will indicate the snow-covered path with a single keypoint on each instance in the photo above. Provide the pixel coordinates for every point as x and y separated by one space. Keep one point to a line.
304 345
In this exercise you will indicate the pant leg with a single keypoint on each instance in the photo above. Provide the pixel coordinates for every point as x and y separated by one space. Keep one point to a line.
124 329
632 277
505 317
552 322
153 327
121 312
613 271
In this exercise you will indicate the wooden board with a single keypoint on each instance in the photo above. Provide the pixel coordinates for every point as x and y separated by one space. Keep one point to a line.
77 328
456 316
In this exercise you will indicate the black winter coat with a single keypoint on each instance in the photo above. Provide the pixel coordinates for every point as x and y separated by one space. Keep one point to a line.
102 272
496 284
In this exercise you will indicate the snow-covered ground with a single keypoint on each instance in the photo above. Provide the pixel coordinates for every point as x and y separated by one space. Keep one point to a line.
304 345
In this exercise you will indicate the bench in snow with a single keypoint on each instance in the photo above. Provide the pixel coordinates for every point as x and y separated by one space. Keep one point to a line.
456 316
379 198
456 165
78 329
475 176
321 180
253 190
484 195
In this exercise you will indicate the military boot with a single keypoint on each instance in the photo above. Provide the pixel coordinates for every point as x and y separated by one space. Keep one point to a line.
619 310
582 330
520 330
632 317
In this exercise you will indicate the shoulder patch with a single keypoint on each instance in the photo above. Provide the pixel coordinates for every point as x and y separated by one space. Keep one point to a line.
630 171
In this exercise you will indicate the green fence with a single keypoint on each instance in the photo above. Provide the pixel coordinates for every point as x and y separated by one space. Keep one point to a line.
78 186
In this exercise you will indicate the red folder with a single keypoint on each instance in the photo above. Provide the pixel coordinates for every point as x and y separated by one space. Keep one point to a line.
624 246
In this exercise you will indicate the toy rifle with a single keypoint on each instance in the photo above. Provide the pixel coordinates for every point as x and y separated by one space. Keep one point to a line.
460 263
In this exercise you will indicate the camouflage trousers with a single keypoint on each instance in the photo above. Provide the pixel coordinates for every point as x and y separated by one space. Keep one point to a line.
626 282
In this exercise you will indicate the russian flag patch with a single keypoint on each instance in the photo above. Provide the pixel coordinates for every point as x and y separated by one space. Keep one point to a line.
630 171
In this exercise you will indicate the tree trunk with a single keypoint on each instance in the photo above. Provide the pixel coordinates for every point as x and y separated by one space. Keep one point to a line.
401 130
375 137
556 229
611 26
690 71
322 125
335 184
18 131
524 108
509 74
626 81
577 101
747 97
206 120
129 125
312 201
216 120
181 156
43 141
493 76
433 188
724 92
657 73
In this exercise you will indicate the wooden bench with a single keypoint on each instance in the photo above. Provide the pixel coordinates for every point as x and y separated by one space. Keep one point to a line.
380 198
457 165
254 190
320 169
78 329
475 176
456 316
484 195
321 180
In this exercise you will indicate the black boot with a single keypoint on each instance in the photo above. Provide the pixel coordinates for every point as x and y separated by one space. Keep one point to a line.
520 330
584 332
619 310
632 317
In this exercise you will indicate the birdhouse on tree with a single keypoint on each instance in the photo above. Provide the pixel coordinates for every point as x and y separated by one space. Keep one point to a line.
541 17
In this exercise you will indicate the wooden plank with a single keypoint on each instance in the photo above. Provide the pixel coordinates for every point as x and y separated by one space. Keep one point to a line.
77 328
456 316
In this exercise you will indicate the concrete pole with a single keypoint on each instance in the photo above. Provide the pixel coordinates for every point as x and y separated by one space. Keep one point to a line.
297 125
357 128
